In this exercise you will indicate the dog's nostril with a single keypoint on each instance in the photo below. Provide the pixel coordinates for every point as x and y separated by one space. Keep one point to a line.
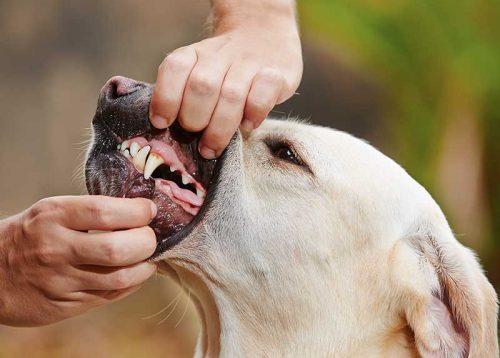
120 86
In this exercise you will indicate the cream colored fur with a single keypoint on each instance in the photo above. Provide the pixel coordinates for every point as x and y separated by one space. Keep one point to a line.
352 259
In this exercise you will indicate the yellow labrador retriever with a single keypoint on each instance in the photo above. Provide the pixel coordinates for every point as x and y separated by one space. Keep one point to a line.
300 241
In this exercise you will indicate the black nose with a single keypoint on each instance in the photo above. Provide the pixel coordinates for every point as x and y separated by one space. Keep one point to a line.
123 106
120 86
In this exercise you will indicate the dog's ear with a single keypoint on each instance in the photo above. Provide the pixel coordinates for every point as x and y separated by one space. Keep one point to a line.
447 302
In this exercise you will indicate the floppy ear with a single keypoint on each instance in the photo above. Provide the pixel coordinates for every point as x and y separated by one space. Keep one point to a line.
448 303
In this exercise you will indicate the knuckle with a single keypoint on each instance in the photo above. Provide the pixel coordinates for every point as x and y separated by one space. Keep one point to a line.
45 206
218 138
111 252
193 126
271 75
202 84
261 106
120 280
39 215
232 93
161 101
97 210
176 61
47 255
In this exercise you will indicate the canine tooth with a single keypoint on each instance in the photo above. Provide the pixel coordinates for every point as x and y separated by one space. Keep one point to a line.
134 149
140 158
126 153
125 144
185 179
153 162
200 193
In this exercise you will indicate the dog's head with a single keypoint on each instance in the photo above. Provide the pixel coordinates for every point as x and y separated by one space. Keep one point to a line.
307 236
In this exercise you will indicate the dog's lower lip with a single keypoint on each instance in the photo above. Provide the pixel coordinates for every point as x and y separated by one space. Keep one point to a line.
164 244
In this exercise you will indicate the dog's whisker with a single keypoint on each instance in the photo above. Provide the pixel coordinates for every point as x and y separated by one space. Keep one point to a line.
177 299
185 309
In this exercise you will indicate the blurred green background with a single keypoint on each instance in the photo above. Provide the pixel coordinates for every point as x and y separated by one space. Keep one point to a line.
420 79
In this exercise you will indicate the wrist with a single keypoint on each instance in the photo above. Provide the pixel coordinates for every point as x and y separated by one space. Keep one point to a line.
9 231
233 14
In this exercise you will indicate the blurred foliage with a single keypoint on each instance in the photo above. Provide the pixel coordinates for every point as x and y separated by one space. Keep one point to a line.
434 58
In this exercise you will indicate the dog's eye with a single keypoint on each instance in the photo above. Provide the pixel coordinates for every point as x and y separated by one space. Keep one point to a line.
286 153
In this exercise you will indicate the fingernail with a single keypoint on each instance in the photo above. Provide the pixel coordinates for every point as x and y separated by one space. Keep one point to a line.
207 153
247 125
154 209
159 121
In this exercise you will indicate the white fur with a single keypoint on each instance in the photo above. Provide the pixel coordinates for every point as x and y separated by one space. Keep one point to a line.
352 260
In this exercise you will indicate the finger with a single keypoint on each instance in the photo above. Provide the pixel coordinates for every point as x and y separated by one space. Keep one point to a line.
228 112
263 96
173 74
118 248
99 297
79 302
109 279
90 212
201 94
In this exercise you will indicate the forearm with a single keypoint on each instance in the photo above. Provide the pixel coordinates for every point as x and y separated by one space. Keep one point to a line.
227 14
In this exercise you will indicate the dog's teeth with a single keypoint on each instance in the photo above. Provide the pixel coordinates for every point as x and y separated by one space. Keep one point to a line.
153 162
201 193
140 159
185 179
118 146
125 144
134 149
126 153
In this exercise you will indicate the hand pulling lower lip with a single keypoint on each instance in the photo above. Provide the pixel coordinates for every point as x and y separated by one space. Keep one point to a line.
146 157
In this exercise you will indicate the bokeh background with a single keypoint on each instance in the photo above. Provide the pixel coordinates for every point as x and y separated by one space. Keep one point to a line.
420 79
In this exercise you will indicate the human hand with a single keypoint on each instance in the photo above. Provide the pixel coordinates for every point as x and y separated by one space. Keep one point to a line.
51 268
252 63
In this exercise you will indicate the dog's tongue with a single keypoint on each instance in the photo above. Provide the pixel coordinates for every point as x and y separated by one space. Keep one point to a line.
189 201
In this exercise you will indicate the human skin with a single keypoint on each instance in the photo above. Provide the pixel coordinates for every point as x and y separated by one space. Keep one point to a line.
252 62
52 268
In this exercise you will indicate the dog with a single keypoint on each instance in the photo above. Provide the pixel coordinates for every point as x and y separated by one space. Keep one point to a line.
300 241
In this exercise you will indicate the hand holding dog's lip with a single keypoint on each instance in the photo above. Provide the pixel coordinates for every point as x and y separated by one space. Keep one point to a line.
129 158
71 254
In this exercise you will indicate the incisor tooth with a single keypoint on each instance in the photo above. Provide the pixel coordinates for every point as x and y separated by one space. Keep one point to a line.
134 149
140 159
125 144
153 162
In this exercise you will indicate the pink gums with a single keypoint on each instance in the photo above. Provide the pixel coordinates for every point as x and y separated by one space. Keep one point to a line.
188 200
